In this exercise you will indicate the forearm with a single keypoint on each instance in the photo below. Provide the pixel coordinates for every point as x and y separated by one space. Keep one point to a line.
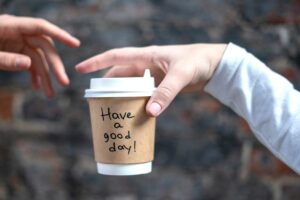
265 99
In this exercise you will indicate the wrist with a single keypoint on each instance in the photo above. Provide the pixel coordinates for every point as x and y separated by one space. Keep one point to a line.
216 53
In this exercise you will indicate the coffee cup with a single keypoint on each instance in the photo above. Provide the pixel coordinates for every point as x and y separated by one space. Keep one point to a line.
123 134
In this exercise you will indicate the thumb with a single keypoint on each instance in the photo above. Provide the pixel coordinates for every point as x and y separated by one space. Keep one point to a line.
164 94
14 61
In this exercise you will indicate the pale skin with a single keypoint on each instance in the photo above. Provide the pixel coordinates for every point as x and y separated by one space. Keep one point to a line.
175 68
28 44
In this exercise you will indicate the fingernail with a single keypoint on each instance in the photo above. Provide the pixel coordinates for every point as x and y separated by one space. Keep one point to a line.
80 67
77 66
66 80
154 109
22 62
77 41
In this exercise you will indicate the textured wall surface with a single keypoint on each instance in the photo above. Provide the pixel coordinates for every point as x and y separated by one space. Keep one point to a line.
203 150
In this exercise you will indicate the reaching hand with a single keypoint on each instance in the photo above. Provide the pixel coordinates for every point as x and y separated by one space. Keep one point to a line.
174 67
27 44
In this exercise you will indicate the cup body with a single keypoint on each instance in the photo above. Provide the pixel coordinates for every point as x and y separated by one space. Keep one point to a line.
123 134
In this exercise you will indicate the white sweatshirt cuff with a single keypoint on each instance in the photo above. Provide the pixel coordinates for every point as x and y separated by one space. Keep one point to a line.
221 81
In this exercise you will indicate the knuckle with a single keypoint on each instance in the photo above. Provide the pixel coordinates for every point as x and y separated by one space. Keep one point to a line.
112 54
7 15
41 24
153 47
117 55
163 94
151 54
185 75
41 21
7 62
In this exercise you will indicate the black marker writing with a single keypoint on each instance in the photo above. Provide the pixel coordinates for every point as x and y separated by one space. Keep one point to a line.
117 125
122 147
114 136
113 115
117 141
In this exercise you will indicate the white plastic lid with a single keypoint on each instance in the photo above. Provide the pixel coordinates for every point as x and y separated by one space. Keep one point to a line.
124 169
121 87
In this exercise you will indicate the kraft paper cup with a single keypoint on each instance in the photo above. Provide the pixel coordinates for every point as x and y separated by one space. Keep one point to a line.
123 134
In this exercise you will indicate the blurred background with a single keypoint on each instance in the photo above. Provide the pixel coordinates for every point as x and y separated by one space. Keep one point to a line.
203 150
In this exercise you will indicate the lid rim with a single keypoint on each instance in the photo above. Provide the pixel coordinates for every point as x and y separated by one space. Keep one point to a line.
118 94
114 86
118 91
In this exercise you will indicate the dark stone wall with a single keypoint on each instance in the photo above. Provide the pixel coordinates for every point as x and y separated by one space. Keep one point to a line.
203 150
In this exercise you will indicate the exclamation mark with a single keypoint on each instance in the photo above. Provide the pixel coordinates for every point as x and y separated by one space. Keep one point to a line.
134 146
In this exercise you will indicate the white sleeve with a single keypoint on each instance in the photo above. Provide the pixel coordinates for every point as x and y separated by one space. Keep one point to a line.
268 102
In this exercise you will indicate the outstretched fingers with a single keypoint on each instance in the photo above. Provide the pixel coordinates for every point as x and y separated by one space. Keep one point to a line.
133 56
14 61
40 71
35 26
124 71
52 57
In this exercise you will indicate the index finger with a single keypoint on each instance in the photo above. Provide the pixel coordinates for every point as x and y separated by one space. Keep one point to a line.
123 56
34 26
